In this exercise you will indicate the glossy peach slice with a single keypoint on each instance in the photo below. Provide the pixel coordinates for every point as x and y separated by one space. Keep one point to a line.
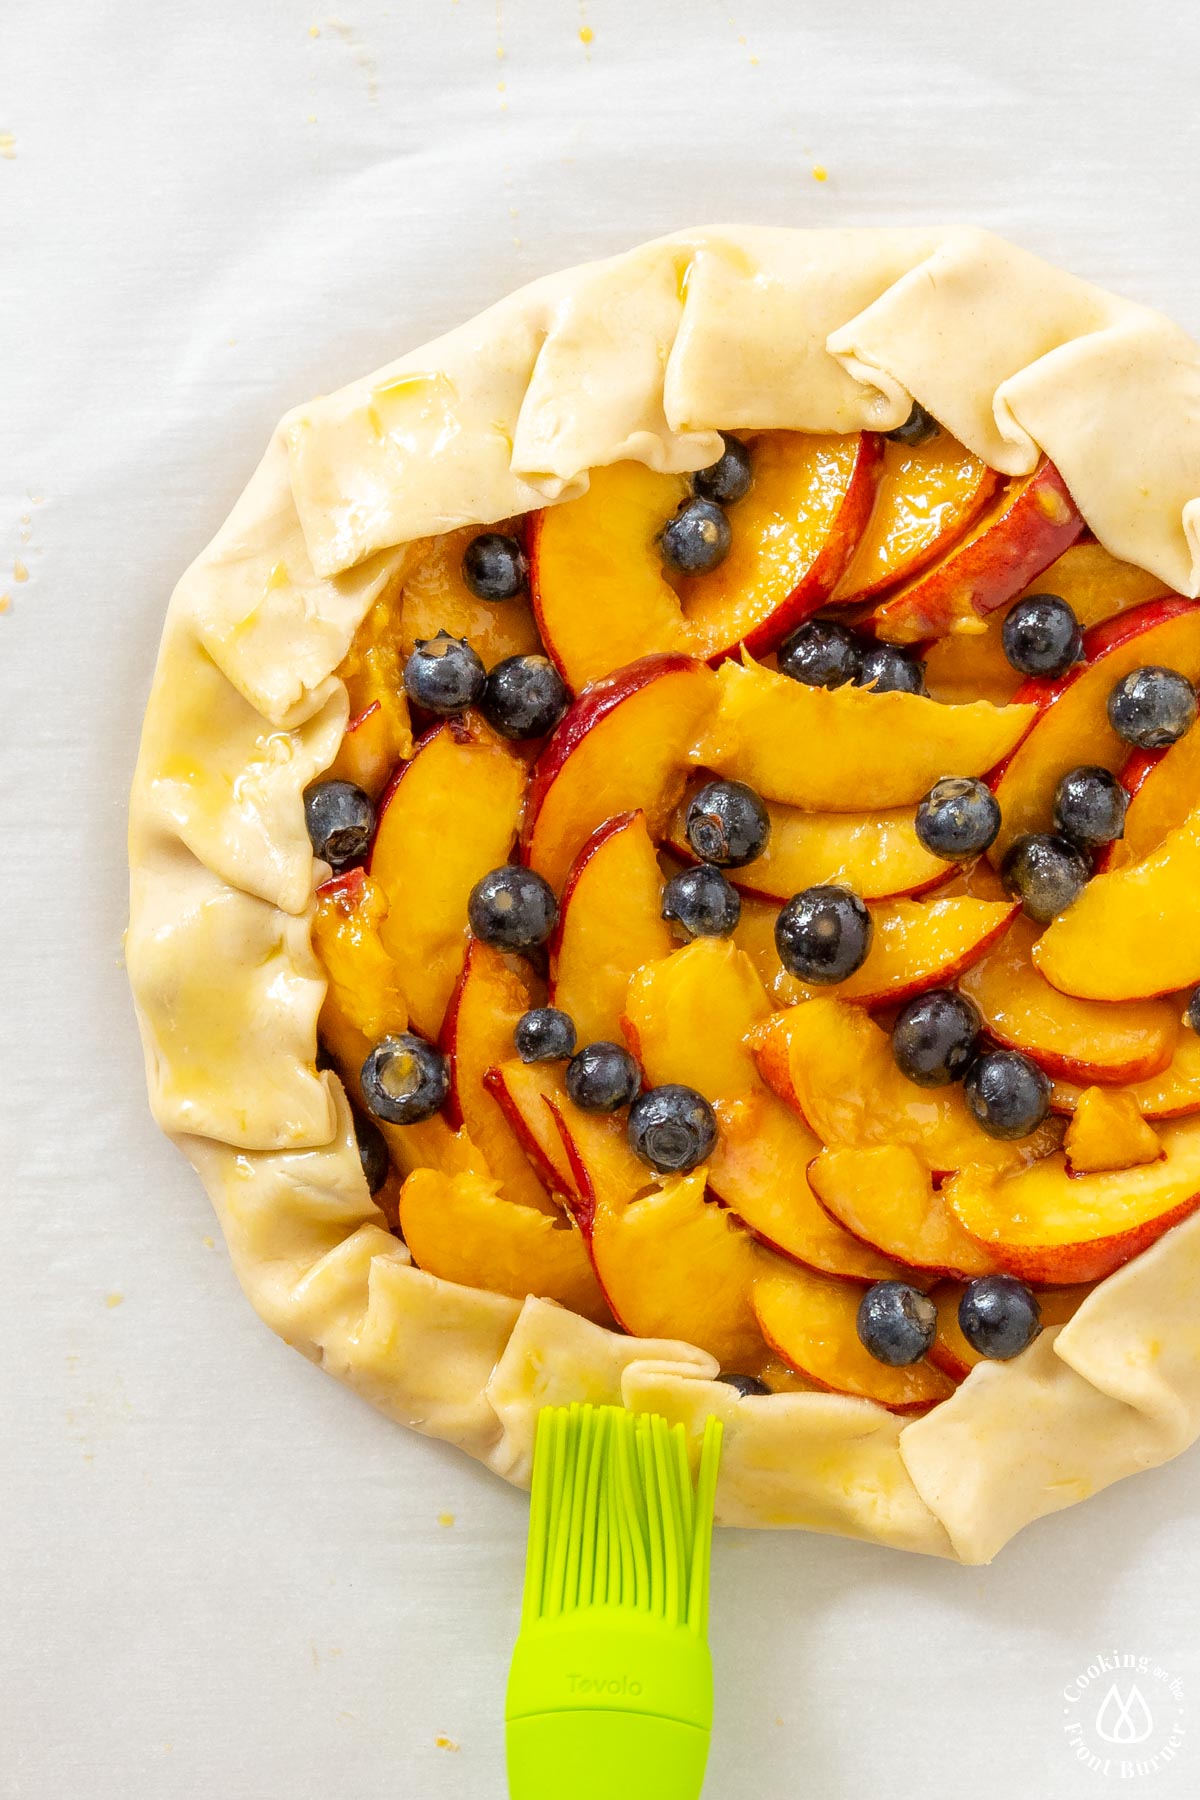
834 1064
829 751
1131 934
610 923
811 1322
928 495
1027 524
1072 725
379 733
886 1197
1107 1131
1079 1040
1165 786
1046 1225
363 1001
478 1033
676 1265
1171 1095
624 746
460 1229
436 598
523 1091
879 855
956 1357
915 945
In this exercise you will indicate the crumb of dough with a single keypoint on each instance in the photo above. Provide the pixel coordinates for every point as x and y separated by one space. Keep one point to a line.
586 35
445 1520
20 572
442 1742
111 1300
5 602
820 172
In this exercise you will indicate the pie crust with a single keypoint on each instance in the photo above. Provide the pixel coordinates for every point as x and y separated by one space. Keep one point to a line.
642 356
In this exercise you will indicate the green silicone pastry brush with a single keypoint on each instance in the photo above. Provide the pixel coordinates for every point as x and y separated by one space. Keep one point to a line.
610 1691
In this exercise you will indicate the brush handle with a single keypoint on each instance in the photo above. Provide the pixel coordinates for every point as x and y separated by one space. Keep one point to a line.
598 1755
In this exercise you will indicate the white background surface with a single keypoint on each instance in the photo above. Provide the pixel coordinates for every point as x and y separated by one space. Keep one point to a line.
220 1574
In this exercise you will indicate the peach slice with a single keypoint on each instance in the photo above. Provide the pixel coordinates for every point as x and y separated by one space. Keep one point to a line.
523 1092
956 1357
916 945
1164 786
459 1229
610 923
829 750
379 733
834 1064
886 1197
624 746
449 816
477 1034
792 537
1047 1225
363 1001
687 1020
1028 523
1131 934
436 598
811 1322
1171 1095
1079 1040
1108 1132
879 854
928 495
1072 721
675 1265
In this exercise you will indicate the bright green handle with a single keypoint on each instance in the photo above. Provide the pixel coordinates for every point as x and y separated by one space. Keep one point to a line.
604 1756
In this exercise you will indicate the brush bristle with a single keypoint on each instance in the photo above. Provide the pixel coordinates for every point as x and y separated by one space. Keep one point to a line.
615 1520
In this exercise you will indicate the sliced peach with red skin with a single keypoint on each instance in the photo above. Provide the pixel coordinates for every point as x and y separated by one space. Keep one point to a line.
610 922
915 945
674 1264
812 1323
793 535
1071 725
1131 934
478 1033
879 855
1027 524
688 1019
448 817
928 495
1172 1095
460 1229
1078 1040
624 746
436 598
522 1092
1163 786
1107 1131
834 1065
886 1197
379 732
1047 1225
828 750
363 1000
956 1357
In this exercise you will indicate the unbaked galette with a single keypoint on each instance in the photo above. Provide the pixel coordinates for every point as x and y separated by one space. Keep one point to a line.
664 869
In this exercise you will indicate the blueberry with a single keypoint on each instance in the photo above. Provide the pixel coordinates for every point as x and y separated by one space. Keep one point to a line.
372 1152
494 566
823 934
933 1040
702 902
1089 806
602 1077
896 1323
512 908
340 820
404 1079
886 669
748 1387
524 697
1045 872
999 1316
1007 1094
696 539
727 824
672 1128
958 818
544 1034
443 675
1041 636
1192 1012
729 478
918 428
1152 707
821 653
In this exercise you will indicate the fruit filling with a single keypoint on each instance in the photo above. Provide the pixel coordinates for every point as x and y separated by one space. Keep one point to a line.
760 909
